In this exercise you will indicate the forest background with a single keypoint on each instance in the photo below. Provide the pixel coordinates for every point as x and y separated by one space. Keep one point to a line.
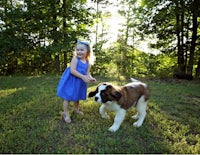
38 36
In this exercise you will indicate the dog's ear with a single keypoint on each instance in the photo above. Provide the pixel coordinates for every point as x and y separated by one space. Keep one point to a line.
117 95
93 93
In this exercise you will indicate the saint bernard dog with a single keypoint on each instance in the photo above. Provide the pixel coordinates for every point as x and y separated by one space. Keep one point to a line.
120 98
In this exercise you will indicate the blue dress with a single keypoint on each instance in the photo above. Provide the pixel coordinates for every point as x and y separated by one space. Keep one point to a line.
72 88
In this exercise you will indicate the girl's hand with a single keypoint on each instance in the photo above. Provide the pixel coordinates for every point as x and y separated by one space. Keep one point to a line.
93 80
86 78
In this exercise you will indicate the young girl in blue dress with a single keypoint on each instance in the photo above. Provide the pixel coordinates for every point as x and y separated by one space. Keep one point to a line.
73 83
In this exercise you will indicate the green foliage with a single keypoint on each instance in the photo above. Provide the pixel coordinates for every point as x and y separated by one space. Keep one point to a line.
133 63
173 23
29 62
33 32
42 27
165 66
123 58
30 120
102 63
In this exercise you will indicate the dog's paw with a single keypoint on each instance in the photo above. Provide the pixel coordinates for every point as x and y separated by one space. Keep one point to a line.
135 116
137 124
105 116
112 129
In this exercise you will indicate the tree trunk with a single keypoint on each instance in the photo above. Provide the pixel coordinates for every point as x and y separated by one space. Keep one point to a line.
198 69
65 60
54 16
182 44
57 64
97 22
65 11
194 38
181 66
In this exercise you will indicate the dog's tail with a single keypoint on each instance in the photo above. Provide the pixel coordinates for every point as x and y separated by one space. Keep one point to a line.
134 80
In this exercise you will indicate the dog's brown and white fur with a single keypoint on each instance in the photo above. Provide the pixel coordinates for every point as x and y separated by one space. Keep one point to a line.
120 99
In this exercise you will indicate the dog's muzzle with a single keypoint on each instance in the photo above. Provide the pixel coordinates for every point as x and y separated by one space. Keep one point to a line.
96 98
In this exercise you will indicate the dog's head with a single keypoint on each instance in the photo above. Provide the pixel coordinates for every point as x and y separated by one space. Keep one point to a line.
105 92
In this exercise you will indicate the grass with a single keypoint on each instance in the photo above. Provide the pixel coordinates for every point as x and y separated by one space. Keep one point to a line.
30 121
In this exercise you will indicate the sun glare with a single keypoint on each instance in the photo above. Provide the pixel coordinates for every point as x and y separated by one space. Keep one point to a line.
7 92
114 24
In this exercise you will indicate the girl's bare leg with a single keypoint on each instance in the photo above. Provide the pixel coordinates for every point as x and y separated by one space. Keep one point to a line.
65 114
77 109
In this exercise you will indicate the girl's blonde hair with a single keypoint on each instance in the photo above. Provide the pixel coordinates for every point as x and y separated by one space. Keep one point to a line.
90 57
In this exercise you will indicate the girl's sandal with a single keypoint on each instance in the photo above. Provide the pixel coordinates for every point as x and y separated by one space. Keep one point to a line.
78 111
66 118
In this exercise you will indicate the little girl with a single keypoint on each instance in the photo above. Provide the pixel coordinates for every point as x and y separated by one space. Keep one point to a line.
73 83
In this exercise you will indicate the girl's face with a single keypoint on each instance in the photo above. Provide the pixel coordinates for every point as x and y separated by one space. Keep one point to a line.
81 51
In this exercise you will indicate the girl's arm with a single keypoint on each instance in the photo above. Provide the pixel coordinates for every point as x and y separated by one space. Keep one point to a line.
88 73
88 69
73 70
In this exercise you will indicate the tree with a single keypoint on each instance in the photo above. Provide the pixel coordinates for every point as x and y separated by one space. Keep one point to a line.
171 22
127 38
40 26
194 10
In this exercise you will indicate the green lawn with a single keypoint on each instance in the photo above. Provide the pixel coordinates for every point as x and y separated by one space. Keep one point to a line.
30 121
